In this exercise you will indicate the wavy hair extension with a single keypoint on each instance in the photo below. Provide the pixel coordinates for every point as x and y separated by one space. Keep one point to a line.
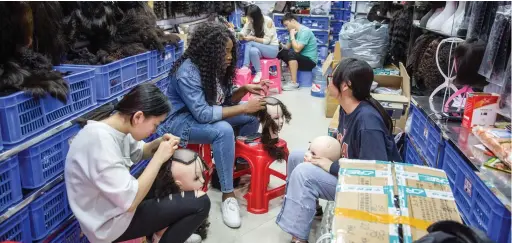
269 126
399 33
48 35
207 50
419 48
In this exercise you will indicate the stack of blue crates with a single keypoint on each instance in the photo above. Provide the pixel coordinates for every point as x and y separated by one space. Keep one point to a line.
340 14
48 217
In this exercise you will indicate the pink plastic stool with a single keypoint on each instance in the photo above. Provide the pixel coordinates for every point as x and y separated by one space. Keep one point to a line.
243 77
275 78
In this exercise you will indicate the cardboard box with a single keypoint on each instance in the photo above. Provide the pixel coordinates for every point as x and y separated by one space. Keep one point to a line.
364 192
327 68
385 196
480 109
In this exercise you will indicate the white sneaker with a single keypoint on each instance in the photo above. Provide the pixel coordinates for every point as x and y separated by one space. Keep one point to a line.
231 213
194 238
257 78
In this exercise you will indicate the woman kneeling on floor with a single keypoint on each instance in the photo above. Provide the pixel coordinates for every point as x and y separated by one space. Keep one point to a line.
108 202
365 132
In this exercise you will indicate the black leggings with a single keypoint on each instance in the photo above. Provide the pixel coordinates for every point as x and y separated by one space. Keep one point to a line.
304 63
182 214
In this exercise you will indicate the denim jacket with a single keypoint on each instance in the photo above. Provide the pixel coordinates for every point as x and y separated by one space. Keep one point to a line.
188 103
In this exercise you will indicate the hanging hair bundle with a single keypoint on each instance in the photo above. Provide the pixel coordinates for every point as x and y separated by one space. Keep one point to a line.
399 34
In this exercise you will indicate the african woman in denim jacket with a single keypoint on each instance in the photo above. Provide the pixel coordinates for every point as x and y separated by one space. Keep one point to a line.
205 108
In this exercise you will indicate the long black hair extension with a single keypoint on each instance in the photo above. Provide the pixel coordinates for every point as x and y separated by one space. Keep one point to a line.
258 21
207 50
269 127
360 75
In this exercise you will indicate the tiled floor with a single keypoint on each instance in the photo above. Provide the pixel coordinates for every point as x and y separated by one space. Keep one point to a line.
308 121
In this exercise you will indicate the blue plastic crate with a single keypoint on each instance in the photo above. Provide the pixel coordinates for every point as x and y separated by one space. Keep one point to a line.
23 117
161 62
336 4
347 4
178 51
419 130
49 211
120 76
16 228
411 156
45 160
163 84
337 15
71 234
336 27
283 35
316 22
277 20
489 214
465 178
322 37
10 184
434 146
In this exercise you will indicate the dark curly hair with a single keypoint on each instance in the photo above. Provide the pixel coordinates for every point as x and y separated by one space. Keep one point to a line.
269 126
207 50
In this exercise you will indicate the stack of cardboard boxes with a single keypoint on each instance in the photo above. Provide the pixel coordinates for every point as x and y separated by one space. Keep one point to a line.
379 201
396 105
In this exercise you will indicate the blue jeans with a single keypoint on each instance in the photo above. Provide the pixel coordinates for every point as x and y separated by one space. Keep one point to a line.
254 51
305 184
222 138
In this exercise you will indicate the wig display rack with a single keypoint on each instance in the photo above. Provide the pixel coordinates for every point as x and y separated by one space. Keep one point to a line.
4 155
482 195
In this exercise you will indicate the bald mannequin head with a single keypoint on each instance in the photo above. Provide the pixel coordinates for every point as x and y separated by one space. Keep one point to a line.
324 146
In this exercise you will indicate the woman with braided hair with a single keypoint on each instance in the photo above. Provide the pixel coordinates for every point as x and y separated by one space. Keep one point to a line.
205 108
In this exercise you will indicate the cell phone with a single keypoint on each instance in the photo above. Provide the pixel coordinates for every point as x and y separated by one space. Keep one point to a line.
253 137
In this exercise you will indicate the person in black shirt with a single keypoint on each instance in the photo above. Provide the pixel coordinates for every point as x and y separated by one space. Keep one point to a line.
365 132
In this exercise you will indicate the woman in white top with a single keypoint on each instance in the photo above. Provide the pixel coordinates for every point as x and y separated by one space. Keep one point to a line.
109 203
261 35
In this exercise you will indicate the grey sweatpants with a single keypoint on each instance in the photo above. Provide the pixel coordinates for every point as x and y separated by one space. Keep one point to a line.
306 183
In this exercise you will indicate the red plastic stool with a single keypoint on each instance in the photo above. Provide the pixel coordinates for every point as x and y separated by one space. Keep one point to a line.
259 160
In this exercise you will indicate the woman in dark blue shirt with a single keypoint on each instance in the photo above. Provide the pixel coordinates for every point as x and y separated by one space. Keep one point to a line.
205 108
364 132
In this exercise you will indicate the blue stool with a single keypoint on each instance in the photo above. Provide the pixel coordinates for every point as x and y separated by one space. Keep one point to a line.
305 78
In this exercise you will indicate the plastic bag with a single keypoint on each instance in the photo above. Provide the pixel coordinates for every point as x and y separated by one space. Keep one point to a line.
496 140
320 7
365 40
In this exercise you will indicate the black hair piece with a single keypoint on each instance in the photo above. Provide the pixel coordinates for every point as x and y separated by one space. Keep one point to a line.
468 57
48 35
399 34
207 50
269 126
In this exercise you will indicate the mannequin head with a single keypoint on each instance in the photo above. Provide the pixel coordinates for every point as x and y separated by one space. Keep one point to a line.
272 120
324 146
182 172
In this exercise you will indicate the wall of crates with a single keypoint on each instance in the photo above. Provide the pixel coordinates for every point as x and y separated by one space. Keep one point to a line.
35 138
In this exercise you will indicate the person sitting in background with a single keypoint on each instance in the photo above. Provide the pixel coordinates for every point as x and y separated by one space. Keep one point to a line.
261 35
300 52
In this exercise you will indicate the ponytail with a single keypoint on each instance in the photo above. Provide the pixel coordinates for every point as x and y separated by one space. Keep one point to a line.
383 113
99 114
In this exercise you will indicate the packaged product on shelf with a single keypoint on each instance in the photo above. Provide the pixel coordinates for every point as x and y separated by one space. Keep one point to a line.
498 141
480 109
369 214
425 197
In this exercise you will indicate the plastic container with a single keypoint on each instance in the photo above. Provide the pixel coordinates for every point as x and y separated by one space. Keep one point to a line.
347 4
115 78
45 160
337 15
70 234
49 211
23 117
336 4
322 37
316 22
411 156
16 228
434 146
283 36
419 131
163 84
319 84
10 184
161 62
305 78
277 20
336 28
236 18
178 51
489 214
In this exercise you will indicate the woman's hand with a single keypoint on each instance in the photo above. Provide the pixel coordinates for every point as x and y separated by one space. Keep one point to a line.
321 162
256 88
255 105
168 136
249 38
166 150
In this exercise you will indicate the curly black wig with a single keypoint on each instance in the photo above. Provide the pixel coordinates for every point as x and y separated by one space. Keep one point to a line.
207 50
399 34
269 126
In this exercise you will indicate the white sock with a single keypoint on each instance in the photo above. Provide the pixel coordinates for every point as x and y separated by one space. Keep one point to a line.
257 78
